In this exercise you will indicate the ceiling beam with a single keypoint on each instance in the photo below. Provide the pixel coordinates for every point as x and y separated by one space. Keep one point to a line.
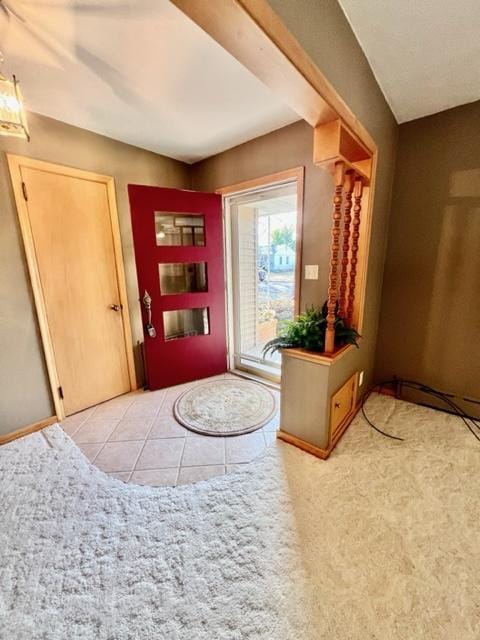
254 34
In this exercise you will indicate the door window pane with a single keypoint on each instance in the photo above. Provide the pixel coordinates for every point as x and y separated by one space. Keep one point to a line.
184 323
182 277
179 229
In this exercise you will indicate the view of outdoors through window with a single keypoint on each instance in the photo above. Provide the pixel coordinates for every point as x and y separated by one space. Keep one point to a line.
276 274
264 254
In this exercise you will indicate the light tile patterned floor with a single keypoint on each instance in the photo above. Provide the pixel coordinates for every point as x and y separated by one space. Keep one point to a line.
136 438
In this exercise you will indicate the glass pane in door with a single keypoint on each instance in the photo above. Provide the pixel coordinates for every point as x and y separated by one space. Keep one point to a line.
182 277
186 323
179 229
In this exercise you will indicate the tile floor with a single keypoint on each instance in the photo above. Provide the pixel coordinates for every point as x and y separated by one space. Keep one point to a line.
136 438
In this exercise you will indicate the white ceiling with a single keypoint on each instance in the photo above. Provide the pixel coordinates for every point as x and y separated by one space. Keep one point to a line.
425 54
138 71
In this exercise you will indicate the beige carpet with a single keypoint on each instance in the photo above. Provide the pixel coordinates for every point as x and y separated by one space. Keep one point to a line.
378 543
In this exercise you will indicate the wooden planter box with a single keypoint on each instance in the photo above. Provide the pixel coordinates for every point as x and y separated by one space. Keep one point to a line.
313 416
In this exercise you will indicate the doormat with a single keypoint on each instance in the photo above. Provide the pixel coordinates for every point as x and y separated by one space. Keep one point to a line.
225 407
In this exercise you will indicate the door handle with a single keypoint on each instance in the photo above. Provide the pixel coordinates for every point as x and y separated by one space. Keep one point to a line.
147 303
115 307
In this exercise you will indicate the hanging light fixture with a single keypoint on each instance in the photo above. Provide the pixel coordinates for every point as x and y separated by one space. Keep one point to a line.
13 121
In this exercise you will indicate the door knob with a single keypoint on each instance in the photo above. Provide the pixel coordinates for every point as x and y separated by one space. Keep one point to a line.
115 307
147 303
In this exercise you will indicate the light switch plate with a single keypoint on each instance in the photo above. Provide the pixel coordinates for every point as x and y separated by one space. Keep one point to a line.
311 272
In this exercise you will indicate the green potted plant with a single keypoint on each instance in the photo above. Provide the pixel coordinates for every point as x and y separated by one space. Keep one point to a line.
307 331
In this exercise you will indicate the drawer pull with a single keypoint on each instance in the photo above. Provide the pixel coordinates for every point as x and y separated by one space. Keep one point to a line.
337 405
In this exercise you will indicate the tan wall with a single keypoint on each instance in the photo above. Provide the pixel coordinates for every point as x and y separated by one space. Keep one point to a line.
430 322
323 31
285 148
24 390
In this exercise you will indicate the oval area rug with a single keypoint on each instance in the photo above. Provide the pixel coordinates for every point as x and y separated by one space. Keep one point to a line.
225 407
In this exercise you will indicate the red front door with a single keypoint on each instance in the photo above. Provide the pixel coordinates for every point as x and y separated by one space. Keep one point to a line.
178 238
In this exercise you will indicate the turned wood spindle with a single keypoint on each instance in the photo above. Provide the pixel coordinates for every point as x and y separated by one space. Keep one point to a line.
357 208
339 175
347 220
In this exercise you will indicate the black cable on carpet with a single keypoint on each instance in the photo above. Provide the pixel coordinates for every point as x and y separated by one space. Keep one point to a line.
399 383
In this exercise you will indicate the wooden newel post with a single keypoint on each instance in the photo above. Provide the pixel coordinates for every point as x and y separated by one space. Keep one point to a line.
357 196
339 176
347 223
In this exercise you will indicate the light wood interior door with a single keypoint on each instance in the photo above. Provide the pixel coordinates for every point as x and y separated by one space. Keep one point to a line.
71 235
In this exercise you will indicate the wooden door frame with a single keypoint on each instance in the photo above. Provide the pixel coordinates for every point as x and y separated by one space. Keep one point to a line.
286 176
15 163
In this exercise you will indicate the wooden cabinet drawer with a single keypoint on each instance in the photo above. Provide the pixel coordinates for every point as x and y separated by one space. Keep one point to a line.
342 404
